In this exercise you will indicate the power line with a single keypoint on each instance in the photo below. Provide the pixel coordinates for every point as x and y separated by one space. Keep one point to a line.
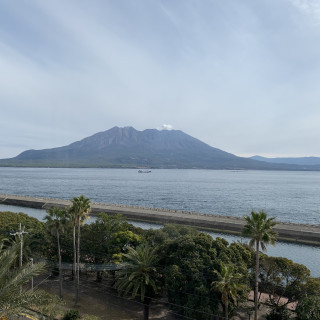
157 300
151 298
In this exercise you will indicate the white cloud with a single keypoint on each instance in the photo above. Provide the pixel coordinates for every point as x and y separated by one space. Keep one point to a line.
310 7
233 73
166 127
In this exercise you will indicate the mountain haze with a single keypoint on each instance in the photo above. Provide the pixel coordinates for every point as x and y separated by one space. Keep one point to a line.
129 148
302 161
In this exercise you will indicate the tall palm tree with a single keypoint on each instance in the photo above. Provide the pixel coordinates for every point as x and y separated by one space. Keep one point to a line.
12 300
228 284
72 221
79 211
139 276
260 229
56 220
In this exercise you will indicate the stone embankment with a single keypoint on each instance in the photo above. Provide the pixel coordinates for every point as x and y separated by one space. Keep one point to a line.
301 233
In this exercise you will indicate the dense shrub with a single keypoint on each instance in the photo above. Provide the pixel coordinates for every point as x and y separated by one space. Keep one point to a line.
71 315
279 313
309 308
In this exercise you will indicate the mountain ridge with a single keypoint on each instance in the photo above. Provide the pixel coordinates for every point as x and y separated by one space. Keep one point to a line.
129 148
302 161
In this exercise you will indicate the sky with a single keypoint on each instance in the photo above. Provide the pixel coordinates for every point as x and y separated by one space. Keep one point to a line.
241 76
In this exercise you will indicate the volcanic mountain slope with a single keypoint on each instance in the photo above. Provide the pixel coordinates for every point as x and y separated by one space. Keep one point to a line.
130 148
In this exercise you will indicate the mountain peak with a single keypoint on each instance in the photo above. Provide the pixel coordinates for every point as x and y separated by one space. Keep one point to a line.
129 148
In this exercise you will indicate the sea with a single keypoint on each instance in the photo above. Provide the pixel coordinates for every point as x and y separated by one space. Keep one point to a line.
290 196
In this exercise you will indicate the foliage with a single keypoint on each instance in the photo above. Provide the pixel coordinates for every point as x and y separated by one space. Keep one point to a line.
279 313
12 298
188 259
56 221
107 238
168 232
192 267
71 315
140 276
78 213
9 221
80 208
281 277
50 309
89 317
36 238
190 262
309 308
260 229
229 285
312 286
56 225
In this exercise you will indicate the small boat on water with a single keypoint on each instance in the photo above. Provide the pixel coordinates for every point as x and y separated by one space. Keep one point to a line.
144 171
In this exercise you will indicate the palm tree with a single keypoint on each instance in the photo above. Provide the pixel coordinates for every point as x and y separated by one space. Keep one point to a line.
228 285
79 212
56 220
139 276
12 300
260 229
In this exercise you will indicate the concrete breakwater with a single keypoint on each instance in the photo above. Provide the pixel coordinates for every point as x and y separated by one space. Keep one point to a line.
301 233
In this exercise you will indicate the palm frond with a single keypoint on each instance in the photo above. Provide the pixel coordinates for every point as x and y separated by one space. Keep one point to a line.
11 281
139 275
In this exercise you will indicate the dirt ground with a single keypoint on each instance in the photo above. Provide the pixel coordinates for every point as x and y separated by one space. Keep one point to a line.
99 300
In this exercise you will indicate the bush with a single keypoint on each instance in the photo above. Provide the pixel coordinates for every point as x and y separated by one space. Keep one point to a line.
71 315
279 313
89 317
309 308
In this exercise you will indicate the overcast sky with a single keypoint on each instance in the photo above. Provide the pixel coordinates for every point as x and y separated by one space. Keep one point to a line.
242 76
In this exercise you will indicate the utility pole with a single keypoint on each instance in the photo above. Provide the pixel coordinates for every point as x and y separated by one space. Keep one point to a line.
20 234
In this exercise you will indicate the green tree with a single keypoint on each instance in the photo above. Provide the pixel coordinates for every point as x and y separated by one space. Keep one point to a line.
79 212
169 232
12 299
140 276
280 312
281 277
56 220
189 258
228 284
107 238
35 241
260 229
309 308
189 263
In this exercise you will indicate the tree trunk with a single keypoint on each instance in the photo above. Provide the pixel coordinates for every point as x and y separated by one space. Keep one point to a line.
99 276
60 271
256 287
75 261
227 310
146 308
74 251
78 264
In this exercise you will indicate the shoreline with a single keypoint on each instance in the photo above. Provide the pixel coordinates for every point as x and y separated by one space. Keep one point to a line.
289 232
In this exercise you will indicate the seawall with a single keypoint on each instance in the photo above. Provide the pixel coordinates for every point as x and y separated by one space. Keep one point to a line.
301 233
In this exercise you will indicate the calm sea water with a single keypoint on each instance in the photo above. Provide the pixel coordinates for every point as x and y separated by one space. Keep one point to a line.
289 196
